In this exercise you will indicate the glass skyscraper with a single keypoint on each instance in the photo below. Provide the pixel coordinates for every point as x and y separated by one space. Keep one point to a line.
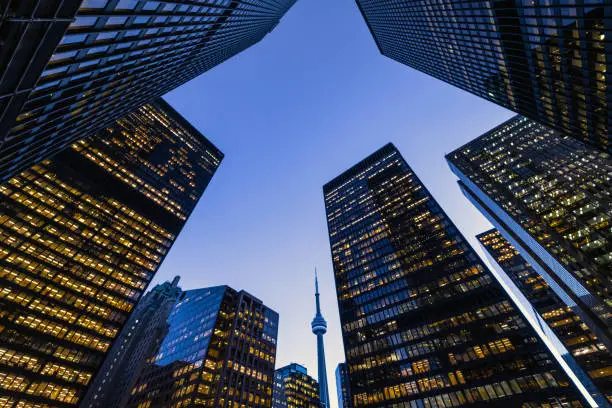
81 236
219 352
343 387
588 353
139 341
546 60
115 56
550 196
294 388
424 322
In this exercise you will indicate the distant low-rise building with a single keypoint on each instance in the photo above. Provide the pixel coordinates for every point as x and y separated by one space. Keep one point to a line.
294 388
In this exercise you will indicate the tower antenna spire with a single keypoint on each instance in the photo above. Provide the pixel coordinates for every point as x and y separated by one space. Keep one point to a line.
319 328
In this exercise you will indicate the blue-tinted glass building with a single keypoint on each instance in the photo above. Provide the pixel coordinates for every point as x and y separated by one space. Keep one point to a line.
219 352
546 60
424 322
343 386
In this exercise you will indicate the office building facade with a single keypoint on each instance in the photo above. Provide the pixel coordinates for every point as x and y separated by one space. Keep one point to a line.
424 322
549 195
82 235
294 388
219 352
544 60
589 355
139 340
343 386
115 56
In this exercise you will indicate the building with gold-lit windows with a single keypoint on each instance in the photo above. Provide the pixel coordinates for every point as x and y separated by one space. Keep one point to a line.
294 388
219 352
550 196
589 355
546 60
81 236
424 322
68 68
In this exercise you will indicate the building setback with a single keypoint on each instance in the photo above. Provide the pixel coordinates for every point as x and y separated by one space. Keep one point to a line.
139 341
545 60
424 322
294 388
588 353
343 386
115 56
219 352
549 195
81 236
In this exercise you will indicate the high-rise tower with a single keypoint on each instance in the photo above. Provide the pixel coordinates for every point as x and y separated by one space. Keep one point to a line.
546 60
81 236
68 68
549 195
424 322
319 328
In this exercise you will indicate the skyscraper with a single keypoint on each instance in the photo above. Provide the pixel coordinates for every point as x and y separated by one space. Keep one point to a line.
219 352
545 60
343 386
294 388
139 340
549 195
319 328
424 322
81 236
588 353
115 56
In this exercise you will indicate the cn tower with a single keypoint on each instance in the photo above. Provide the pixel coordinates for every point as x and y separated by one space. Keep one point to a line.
319 328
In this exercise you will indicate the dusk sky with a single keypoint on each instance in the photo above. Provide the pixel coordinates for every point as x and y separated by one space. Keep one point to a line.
309 101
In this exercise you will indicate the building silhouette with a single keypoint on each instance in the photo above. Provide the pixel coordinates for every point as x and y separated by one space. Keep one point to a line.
219 352
424 322
294 388
544 60
343 386
548 194
70 68
82 235
589 356
139 341
319 328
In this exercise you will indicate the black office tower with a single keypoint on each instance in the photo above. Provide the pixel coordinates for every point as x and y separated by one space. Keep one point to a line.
549 195
424 322
546 60
589 356
115 56
81 236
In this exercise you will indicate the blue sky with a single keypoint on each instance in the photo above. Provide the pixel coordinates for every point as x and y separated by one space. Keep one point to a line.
290 113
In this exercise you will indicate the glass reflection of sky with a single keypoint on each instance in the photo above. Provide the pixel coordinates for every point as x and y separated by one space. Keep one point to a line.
191 325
